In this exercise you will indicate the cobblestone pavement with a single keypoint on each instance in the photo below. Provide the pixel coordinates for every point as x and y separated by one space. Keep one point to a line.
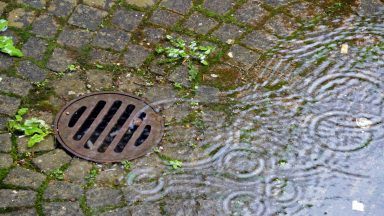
113 43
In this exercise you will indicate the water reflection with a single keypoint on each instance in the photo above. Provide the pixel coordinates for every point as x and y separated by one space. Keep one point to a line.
305 138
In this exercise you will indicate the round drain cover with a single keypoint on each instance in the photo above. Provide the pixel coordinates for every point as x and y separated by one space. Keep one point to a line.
108 127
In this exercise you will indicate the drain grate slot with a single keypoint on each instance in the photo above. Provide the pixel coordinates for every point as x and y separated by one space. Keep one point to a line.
108 127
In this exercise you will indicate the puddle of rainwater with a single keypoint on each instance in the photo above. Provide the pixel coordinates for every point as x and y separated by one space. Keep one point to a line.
308 140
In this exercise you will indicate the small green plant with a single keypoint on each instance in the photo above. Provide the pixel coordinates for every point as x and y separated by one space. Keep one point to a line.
57 174
73 67
177 85
126 165
185 53
35 129
6 43
175 164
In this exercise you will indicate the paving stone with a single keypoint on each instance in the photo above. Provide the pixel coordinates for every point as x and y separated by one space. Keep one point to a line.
180 75
200 23
99 80
103 197
99 56
135 56
127 20
129 83
3 123
87 17
9 105
111 177
5 61
35 48
117 212
5 160
16 198
142 3
52 160
276 3
243 57
20 18
226 76
2 6
62 209
70 86
39 4
179 6
165 18
60 60
157 68
14 85
75 38
45 26
22 212
62 8
227 33
152 209
208 94
305 10
153 35
111 39
281 25
159 92
5 142
63 191
219 6
31 71
22 177
259 40
46 145
369 7
77 171
251 13
102 4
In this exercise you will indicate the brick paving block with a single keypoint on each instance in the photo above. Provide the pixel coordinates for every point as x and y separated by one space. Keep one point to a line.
77 171
277 3
200 23
103 197
5 160
35 48
99 56
60 60
31 71
179 6
305 10
63 191
62 8
243 57
180 75
87 17
227 33
102 4
142 3
99 80
23 177
5 142
135 56
281 25
127 20
153 35
111 39
20 18
219 6
251 13
38 4
9 105
16 198
74 37
62 209
165 18
45 26
260 40
6 61
52 160
14 85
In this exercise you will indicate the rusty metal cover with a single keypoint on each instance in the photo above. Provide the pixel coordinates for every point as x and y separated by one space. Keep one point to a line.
108 127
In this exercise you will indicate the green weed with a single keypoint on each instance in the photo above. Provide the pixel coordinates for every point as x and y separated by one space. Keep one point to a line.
6 43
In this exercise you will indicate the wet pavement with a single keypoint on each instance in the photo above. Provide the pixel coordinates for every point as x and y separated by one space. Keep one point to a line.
285 120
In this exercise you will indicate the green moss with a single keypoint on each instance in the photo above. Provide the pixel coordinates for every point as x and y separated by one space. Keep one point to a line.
40 197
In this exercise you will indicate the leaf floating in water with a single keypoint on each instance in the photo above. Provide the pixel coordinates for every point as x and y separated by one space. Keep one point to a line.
344 49
357 206
363 122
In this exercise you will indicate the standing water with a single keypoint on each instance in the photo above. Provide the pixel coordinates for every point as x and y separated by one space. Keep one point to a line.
305 139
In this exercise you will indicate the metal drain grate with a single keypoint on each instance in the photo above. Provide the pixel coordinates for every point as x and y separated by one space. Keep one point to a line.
108 127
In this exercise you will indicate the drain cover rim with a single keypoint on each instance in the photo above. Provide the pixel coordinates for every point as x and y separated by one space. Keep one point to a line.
144 102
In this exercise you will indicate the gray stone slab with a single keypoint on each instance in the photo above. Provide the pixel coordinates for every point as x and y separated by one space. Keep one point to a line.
22 212
20 17
17 198
14 85
62 209
179 6
103 197
127 20
63 191
74 37
135 56
117 212
45 26
142 3
5 61
180 75
111 39
9 105
99 56
5 160
62 8
102 4
200 23
281 25
165 18
31 71
5 142
153 35
227 33
46 145
23 177
260 40
251 13
52 160
243 57
87 17
219 6
77 171
99 80
60 60
38 4
35 48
